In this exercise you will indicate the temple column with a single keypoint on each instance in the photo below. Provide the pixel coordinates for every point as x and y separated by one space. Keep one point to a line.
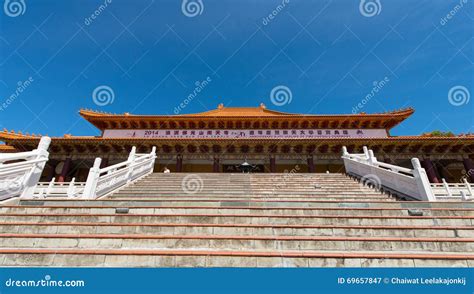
310 161
179 163
430 170
272 164
442 171
215 166
51 172
469 167
65 170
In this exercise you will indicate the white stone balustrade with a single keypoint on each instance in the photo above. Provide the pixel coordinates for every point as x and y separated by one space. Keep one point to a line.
71 189
20 172
454 191
100 181
412 183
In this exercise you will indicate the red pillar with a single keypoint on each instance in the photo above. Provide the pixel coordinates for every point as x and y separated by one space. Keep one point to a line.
430 170
310 164
272 164
65 170
179 163
51 172
215 166
442 172
469 167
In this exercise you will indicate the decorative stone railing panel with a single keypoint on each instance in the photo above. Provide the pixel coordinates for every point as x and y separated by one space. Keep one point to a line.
20 172
55 189
100 181
454 191
412 183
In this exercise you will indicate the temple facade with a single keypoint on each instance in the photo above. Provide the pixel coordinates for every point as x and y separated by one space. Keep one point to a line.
272 141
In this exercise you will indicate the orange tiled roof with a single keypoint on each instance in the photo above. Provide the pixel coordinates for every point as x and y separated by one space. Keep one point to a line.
103 120
7 149
236 112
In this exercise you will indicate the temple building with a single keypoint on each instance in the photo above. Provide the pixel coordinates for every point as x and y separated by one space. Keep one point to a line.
272 141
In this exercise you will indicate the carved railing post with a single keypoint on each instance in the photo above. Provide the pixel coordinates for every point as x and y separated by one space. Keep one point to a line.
424 187
446 187
344 151
71 189
92 179
366 152
153 158
372 158
468 187
131 161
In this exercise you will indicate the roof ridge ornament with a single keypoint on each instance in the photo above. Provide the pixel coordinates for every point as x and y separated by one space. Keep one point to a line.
262 106
220 106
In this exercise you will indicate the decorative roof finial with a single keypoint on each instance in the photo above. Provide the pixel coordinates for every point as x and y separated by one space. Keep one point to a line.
262 106
220 106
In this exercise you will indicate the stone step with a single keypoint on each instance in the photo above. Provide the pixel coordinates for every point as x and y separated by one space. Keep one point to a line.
221 258
241 189
239 220
327 219
277 180
269 211
140 197
266 202
180 190
155 195
252 183
226 194
234 229
227 242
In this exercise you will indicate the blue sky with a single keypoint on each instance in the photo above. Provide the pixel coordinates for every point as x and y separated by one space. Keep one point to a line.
151 54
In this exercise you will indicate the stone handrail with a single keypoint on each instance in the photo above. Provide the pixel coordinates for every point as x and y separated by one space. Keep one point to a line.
70 189
411 183
102 182
20 172
453 191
